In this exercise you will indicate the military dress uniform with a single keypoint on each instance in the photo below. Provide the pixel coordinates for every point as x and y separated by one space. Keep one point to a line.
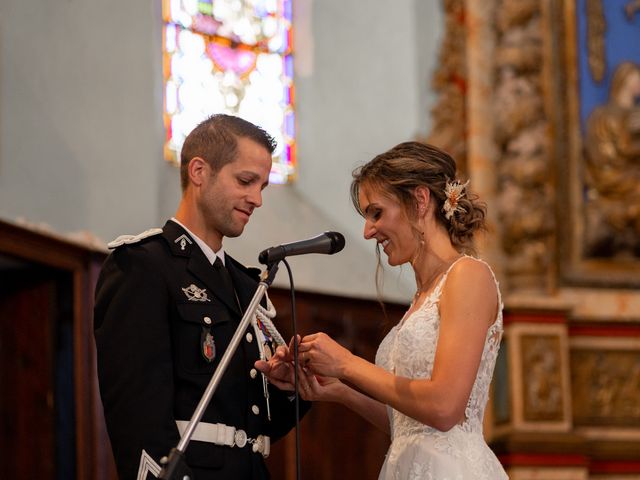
163 319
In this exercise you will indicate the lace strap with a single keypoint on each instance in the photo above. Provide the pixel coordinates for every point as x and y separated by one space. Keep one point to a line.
495 280
438 290
435 295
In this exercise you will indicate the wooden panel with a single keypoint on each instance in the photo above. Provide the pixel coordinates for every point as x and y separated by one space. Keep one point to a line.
27 431
70 270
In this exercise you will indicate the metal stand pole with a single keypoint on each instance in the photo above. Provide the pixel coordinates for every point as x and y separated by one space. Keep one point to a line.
174 467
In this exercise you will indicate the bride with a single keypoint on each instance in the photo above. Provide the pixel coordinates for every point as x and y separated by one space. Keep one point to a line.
429 386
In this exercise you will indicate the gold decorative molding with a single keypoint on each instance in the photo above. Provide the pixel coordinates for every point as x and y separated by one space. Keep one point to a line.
450 84
542 367
596 28
605 382
538 379
526 190
552 473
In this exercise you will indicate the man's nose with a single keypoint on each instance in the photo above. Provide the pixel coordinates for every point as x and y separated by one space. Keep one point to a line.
256 198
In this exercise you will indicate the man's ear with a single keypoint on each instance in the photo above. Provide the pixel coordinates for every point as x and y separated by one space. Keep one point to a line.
423 196
198 169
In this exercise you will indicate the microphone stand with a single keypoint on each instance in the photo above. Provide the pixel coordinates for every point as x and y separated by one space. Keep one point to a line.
174 467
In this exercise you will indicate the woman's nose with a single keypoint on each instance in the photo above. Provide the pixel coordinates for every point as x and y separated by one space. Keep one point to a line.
369 230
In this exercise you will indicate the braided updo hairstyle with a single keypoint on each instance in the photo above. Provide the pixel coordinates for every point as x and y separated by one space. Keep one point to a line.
409 165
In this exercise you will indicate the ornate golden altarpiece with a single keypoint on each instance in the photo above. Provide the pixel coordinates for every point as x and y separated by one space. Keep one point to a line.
562 189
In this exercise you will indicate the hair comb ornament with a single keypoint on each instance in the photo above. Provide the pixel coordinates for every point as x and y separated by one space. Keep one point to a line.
453 191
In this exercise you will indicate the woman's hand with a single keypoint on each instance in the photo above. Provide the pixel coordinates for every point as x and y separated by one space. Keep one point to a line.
320 354
317 388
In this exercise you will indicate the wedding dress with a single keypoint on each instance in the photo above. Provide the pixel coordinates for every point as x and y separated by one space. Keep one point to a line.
420 452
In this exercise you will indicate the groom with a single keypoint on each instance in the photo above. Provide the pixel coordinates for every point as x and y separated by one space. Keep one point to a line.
168 302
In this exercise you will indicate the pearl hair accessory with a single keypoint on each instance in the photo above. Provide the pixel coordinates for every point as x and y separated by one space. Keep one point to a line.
453 191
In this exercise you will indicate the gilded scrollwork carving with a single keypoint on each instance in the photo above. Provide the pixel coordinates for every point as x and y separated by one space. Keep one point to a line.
512 14
543 399
449 82
596 28
519 106
605 387
524 170
612 159
526 197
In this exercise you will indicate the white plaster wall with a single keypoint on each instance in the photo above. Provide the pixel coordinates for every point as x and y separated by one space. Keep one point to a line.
81 131
80 114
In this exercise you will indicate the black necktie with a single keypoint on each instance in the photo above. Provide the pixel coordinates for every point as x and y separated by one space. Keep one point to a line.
225 276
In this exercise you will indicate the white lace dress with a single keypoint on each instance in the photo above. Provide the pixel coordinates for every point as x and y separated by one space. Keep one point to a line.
418 451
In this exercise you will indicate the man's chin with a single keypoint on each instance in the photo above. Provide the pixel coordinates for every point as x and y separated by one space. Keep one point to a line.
234 232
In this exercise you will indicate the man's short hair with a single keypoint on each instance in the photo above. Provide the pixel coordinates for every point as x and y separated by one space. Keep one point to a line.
215 140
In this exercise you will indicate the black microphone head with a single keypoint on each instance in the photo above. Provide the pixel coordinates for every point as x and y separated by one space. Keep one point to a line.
266 254
326 243
337 242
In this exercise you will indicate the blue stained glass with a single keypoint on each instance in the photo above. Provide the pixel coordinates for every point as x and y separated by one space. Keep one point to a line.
289 125
288 66
282 39
288 14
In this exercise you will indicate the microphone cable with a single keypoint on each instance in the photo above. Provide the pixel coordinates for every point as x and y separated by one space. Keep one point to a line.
294 326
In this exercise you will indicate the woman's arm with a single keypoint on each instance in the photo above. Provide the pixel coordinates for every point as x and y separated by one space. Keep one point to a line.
468 306
279 371
333 390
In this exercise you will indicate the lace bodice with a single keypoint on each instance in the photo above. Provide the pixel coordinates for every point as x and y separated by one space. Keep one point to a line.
409 349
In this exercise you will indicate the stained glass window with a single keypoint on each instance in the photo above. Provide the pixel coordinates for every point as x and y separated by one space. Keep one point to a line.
229 56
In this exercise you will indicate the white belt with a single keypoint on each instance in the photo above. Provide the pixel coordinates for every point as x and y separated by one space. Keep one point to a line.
221 434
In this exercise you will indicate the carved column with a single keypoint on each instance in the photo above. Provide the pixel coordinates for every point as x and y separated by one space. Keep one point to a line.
482 154
525 182
449 126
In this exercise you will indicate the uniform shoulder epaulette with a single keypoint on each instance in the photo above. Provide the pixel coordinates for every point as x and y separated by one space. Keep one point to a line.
129 239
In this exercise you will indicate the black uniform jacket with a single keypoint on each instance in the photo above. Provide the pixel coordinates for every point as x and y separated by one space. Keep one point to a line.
156 299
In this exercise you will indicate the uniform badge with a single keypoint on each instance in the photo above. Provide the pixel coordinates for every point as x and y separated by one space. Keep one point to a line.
196 294
208 345
183 240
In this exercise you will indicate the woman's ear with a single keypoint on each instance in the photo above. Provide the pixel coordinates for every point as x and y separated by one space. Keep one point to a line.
423 196
197 169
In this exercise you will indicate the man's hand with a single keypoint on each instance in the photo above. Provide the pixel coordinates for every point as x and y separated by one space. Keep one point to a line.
278 369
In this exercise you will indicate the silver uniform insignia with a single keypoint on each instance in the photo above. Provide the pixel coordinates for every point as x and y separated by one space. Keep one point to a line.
183 240
196 294
147 466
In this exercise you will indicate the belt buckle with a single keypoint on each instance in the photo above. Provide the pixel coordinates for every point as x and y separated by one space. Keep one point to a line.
240 438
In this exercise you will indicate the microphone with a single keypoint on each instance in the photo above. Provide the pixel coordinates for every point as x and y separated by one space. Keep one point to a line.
327 243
